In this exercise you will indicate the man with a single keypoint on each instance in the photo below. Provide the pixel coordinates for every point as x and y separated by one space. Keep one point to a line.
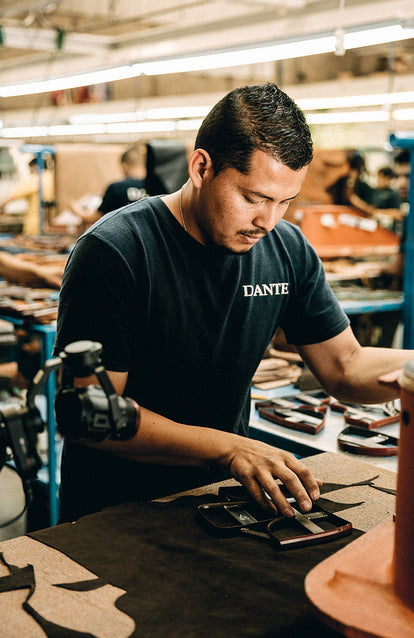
402 183
185 292
120 193
384 195
402 172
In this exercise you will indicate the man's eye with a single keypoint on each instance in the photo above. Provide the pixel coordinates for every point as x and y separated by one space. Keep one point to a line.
251 201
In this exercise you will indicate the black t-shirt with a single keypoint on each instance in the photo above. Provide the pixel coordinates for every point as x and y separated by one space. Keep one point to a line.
122 193
364 191
189 323
385 198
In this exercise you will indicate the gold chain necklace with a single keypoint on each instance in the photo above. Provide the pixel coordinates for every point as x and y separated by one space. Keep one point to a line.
181 210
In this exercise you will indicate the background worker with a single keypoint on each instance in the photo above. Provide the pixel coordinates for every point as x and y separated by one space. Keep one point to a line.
185 292
402 172
120 193
384 195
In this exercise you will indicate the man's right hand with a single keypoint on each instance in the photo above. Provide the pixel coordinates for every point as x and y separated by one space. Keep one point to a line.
256 465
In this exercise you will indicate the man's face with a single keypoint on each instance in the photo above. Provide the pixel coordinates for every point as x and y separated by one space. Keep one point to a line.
402 172
234 211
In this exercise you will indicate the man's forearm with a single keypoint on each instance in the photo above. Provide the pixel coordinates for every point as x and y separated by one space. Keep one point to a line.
361 382
350 372
160 440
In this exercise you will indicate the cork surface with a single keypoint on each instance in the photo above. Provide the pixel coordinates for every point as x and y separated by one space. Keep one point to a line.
377 505
95 614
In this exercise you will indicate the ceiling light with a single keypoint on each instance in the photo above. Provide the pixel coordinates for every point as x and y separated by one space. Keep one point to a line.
23 131
27 132
181 112
161 126
295 48
310 104
403 114
67 81
378 35
352 117
164 113
150 126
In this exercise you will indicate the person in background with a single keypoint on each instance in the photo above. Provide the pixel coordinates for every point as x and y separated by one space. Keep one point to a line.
28 188
402 173
384 195
185 291
359 191
120 193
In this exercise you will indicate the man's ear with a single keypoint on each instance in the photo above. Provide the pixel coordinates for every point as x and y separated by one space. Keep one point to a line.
199 166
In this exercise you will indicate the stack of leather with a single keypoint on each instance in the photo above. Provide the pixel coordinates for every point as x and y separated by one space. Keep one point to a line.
34 305
277 370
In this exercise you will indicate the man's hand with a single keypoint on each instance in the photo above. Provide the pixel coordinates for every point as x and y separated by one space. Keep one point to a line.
256 465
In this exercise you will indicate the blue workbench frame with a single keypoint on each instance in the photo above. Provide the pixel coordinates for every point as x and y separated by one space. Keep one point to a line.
406 140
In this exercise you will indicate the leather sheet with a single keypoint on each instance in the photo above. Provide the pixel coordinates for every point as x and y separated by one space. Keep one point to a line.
180 581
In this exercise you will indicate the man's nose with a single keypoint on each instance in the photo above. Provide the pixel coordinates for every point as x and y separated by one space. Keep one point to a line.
269 216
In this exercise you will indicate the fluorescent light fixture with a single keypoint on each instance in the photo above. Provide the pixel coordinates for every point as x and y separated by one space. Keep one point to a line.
351 117
378 35
154 126
105 118
312 104
403 114
193 124
51 131
294 48
160 126
57 130
165 113
177 112
23 131
67 81
189 125
307 104
224 59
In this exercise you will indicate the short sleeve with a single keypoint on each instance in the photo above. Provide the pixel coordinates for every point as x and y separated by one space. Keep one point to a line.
107 205
313 313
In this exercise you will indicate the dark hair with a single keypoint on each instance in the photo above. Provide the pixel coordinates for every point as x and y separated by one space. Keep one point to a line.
357 162
132 156
402 157
256 117
386 171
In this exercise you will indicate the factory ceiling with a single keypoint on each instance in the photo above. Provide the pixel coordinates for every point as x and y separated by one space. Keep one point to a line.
42 39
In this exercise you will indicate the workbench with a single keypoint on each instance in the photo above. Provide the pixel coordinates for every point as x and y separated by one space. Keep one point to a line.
150 570
303 444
